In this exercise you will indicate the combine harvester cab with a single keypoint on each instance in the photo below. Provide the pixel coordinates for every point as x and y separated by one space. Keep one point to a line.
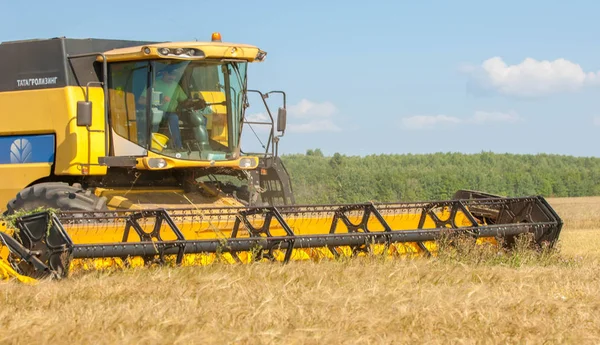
129 153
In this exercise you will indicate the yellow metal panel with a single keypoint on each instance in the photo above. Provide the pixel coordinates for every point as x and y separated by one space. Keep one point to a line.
78 147
55 111
30 112
160 197
15 177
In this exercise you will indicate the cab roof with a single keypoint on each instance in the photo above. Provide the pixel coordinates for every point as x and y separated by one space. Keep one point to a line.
211 50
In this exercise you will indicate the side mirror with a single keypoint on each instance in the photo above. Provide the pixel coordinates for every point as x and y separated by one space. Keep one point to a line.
84 113
281 119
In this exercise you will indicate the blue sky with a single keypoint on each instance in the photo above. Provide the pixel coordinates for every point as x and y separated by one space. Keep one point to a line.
381 76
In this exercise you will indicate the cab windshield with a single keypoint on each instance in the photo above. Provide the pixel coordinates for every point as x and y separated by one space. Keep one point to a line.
183 109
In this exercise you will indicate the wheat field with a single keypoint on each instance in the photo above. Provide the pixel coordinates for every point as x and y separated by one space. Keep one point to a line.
553 300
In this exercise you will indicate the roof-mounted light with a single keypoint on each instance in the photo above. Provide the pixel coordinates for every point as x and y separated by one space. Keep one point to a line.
260 56
181 53
216 37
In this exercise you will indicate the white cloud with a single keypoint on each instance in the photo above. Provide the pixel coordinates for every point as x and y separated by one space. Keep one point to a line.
531 77
478 118
308 117
257 117
307 109
325 125
597 120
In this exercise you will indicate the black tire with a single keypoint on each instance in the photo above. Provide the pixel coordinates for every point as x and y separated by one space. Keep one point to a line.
57 195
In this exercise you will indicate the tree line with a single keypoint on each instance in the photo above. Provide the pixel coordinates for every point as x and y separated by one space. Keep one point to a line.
409 177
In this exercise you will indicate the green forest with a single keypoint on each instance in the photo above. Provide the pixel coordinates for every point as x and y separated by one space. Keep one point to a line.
406 177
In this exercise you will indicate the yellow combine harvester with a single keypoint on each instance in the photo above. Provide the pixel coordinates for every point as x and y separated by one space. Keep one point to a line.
136 148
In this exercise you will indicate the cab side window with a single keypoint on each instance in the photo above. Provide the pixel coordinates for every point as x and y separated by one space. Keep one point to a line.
126 83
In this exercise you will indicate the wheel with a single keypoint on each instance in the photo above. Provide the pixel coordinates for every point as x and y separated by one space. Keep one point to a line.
58 195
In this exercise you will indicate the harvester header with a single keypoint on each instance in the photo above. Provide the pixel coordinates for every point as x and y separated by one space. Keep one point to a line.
53 244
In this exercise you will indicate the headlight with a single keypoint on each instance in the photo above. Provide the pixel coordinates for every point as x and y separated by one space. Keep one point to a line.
156 163
182 52
248 163
260 56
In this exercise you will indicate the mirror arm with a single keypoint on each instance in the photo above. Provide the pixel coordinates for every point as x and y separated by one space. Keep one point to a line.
87 89
87 101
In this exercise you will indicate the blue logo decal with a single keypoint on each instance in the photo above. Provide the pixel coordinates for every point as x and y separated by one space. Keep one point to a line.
27 149
20 151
